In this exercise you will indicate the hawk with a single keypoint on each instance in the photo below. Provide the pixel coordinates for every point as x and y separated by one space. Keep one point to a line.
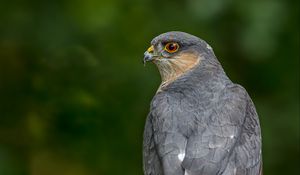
200 122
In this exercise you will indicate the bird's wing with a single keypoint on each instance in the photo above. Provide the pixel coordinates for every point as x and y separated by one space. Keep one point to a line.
151 163
212 149
169 143
248 158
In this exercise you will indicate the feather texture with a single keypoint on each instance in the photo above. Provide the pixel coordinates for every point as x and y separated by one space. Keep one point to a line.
202 124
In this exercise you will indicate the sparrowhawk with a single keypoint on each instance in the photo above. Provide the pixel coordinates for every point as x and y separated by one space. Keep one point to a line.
200 122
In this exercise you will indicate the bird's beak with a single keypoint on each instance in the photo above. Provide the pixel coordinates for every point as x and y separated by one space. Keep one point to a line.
148 55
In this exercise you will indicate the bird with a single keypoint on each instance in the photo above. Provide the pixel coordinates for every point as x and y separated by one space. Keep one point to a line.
199 122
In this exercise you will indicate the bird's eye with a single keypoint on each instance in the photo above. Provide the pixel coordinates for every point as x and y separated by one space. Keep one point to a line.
171 47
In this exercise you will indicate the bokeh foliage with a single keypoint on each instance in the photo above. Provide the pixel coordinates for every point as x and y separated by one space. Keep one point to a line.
74 93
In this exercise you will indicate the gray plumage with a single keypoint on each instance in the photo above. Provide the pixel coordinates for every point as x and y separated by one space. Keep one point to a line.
201 123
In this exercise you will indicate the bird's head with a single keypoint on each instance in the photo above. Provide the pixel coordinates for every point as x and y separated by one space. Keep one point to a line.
175 53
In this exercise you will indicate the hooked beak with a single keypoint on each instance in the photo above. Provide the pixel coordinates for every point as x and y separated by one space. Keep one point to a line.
148 55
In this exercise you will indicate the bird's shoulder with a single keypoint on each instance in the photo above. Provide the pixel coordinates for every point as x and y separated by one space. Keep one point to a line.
191 97
163 101
236 91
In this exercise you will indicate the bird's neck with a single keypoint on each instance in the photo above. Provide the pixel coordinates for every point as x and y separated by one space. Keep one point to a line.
201 69
172 69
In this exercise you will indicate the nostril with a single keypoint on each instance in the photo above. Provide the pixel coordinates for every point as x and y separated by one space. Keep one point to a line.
150 49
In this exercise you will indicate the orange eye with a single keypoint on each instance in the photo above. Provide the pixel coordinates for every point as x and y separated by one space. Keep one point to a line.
171 47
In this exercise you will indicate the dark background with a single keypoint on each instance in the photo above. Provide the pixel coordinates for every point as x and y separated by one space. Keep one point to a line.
74 94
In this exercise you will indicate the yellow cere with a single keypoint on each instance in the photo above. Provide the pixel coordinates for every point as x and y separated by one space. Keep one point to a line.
150 49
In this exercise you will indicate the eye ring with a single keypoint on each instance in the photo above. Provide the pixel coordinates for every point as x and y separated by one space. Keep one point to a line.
171 47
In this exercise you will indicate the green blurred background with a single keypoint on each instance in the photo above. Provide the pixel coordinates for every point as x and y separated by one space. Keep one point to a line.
74 93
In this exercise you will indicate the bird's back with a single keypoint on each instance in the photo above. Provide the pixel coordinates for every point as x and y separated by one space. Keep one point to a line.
219 116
